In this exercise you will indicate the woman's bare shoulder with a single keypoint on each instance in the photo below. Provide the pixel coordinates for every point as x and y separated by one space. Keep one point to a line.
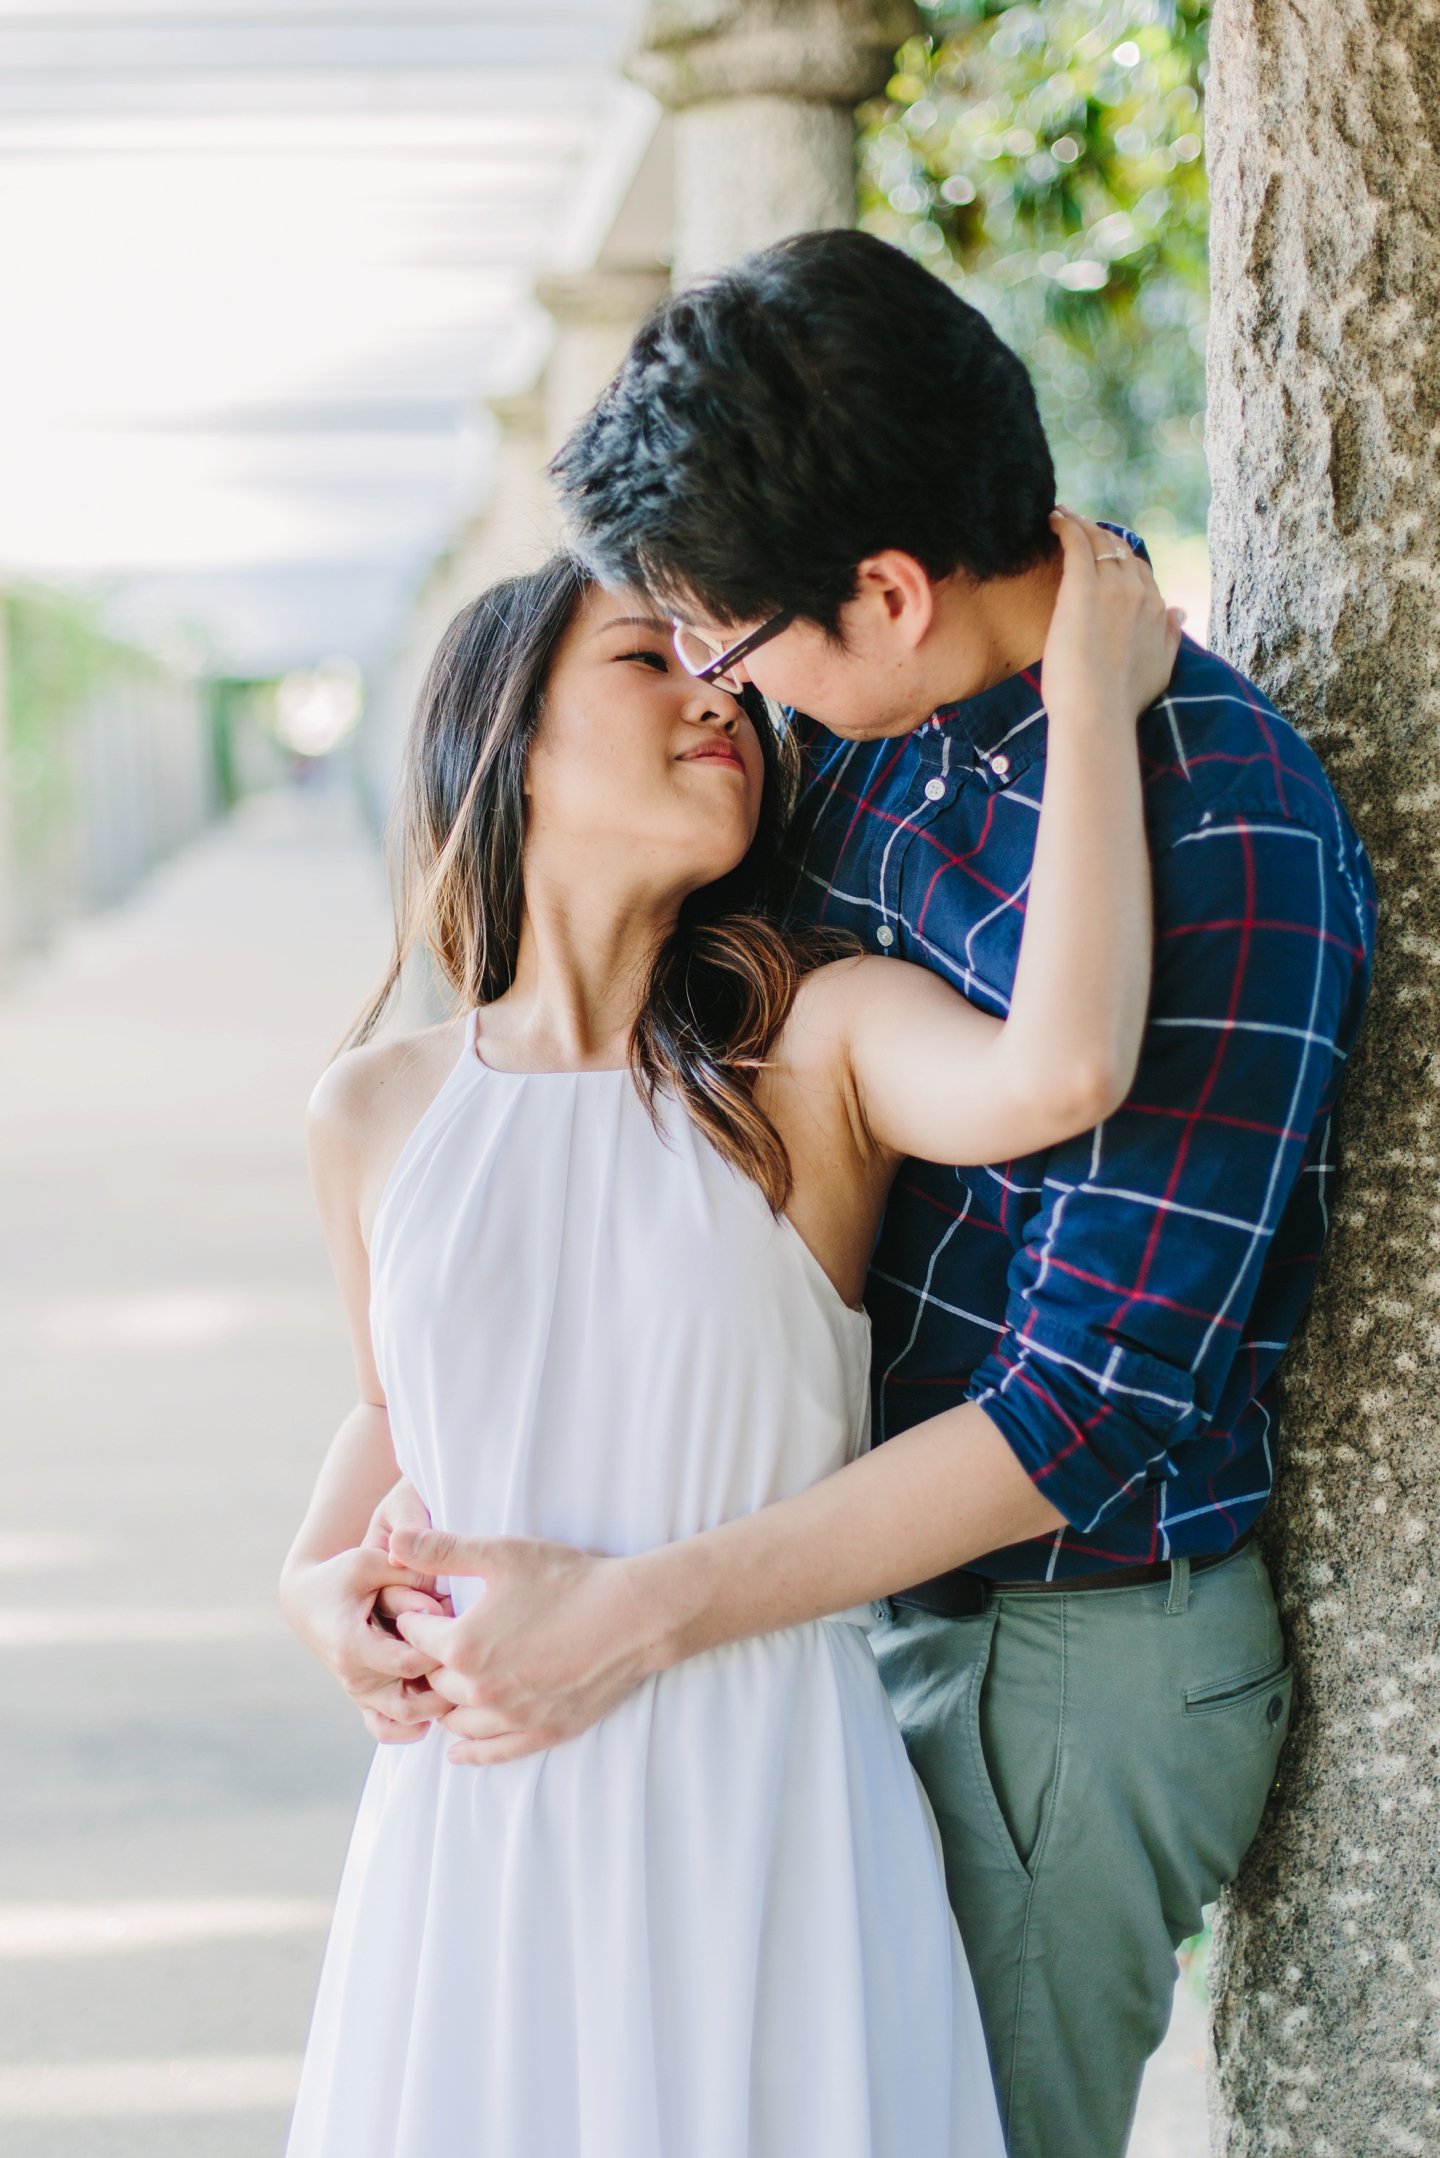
385 1079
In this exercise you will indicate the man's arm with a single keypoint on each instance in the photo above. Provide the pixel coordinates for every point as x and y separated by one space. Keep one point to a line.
560 1638
936 1497
1132 1287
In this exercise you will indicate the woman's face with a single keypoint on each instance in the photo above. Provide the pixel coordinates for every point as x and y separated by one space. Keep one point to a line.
637 770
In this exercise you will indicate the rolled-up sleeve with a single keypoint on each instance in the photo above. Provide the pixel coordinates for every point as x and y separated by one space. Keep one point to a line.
1130 1288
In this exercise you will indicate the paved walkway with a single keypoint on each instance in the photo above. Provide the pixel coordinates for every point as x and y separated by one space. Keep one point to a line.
179 1777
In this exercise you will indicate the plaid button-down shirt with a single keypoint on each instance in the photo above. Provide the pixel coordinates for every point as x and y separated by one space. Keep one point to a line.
1117 1305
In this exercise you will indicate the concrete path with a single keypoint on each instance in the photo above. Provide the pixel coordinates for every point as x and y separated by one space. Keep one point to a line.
179 1777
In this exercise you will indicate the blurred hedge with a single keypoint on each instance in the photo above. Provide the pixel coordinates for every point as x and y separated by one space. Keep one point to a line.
59 654
1047 160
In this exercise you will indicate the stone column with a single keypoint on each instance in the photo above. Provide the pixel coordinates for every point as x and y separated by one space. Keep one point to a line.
516 530
1325 450
517 527
763 92
9 908
596 313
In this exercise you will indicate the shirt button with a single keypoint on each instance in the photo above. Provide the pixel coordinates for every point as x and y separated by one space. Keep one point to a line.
885 934
1275 1710
935 790
1000 764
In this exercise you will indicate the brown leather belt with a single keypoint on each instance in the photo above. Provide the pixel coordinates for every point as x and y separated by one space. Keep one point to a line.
965 1595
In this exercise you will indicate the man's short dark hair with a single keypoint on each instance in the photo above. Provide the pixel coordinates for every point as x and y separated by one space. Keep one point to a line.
810 406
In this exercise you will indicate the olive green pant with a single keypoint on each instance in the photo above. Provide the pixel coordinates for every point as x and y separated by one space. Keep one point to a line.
1097 1764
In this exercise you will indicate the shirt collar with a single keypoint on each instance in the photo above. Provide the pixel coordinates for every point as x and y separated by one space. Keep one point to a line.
1007 719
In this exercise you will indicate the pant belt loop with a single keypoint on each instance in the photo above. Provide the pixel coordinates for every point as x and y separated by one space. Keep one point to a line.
1177 1603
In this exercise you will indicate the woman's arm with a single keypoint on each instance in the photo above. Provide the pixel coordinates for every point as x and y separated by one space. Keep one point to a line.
329 1584
329 1587
936 1078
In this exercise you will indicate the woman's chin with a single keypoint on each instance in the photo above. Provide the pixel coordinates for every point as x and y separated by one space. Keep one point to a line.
699 876
714 852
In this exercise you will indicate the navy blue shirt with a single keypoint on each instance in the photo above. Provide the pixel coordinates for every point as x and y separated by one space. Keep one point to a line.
1118 1304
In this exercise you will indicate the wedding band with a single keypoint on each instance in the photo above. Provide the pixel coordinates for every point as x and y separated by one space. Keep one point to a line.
1113 557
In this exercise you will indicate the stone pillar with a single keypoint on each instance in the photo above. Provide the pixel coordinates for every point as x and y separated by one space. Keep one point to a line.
596 313
1325 451
517 527
9 898
516 530
763 92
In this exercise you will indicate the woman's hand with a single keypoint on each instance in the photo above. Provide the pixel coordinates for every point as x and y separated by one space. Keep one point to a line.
331 1582
330 1604
556 1641
403 1508
1112 643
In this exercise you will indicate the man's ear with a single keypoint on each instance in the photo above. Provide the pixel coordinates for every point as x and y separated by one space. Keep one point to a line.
898 586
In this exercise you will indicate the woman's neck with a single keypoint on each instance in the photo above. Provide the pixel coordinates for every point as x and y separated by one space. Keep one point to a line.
580 979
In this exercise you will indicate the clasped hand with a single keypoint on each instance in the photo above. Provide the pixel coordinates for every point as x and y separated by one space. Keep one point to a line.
550 1646
346 1607
552 1643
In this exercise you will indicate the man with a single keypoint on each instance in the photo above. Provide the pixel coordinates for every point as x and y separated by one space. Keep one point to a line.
827 463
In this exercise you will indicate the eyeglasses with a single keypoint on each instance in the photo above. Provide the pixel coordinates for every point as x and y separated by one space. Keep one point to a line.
699 657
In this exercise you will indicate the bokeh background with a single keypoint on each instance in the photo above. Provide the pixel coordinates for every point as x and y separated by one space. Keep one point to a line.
297 303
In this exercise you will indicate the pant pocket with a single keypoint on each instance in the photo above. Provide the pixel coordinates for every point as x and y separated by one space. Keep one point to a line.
1019 1716
932 1669
1247 1698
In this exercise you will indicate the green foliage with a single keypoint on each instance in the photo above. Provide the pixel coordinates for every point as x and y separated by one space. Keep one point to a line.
58 656
1193 1957
239 710
1046 159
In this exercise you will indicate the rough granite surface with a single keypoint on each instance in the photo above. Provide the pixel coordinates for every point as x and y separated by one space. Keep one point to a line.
835 52
763 93
1324 435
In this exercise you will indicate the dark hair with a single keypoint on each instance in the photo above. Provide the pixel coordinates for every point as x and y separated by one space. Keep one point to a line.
804 409
723 981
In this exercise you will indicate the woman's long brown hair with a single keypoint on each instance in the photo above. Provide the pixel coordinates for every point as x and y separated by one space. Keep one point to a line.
723 981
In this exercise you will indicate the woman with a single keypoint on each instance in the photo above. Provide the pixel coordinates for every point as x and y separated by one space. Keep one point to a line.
601 1240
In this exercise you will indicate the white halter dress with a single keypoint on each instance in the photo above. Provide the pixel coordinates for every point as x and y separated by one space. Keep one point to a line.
715 1925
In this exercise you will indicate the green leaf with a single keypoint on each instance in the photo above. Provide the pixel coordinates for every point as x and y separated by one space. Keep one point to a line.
1062 191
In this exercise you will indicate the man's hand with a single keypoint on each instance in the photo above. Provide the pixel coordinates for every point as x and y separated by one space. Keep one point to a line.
331 1603
555 1641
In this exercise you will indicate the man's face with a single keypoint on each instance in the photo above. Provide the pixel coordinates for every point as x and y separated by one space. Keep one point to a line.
900 653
